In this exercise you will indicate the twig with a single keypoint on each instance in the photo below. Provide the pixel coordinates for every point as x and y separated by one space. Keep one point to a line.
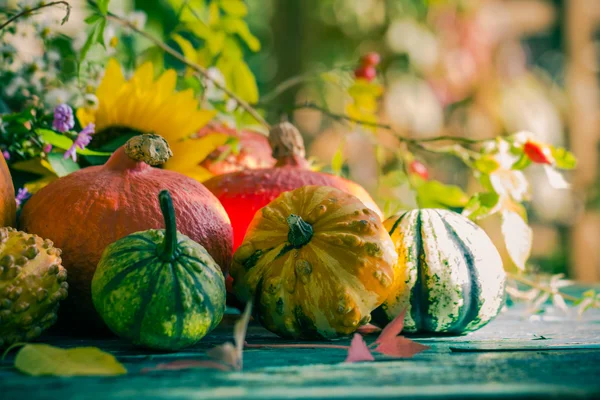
536 285
200 72
285 85
27 12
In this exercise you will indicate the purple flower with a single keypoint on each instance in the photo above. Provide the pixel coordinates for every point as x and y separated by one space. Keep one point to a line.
83 139
6 154
22 195
63 118
47 148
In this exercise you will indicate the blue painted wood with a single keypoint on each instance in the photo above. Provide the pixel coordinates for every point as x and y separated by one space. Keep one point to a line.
516 356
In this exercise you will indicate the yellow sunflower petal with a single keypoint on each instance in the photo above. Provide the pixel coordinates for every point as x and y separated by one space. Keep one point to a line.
144 75
111 83
189 153
85 116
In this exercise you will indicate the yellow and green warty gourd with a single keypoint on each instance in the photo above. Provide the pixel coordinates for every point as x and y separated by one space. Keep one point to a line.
451 280
32 284
315 262
159 288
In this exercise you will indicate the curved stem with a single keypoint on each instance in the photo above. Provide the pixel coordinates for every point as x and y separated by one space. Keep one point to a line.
27 12
168 211
300 232
200 71
539 286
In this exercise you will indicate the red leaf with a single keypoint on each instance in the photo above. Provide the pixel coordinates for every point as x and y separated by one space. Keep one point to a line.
392 329
358 350
400 347
186 364
368 329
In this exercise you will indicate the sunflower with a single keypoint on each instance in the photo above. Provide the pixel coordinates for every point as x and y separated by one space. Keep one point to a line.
144 104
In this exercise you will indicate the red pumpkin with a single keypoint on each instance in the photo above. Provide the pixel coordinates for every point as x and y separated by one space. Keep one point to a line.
84 212
243 193
254 151
8 206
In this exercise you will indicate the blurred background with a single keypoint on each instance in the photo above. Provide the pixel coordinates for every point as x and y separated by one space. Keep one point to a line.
470 68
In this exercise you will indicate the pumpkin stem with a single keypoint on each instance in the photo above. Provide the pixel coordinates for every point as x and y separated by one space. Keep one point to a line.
300 231
149 148
168 211
287 145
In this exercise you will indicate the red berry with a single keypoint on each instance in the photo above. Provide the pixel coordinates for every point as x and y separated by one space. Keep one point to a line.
366 72
370 59
537 152
418 168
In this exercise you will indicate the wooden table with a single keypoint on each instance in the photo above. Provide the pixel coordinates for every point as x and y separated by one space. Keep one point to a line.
517 356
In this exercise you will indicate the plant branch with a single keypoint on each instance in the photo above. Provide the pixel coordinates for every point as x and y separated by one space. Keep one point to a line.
200 72
29 11
539 286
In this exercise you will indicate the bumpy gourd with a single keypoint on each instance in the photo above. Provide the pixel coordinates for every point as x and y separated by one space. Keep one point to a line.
159 288
8 206
451 278
32 284
316 261
87 210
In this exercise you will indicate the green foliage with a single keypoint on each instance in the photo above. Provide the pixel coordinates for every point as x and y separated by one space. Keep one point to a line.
62 166
435 194
563 159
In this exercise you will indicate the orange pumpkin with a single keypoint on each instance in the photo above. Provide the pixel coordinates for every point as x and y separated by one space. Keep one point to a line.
316 261
84 212
8 206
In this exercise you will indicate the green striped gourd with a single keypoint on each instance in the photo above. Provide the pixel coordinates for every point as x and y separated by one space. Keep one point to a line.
158 288
451 276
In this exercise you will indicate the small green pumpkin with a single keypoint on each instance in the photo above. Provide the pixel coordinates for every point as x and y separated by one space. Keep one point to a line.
450 279
158 288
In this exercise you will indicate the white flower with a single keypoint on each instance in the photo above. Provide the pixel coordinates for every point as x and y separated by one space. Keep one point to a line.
506 181
56 96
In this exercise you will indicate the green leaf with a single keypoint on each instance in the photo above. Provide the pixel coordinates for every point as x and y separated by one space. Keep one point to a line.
563 158
434 194
337 162
482 205
64 143
43 359
91 39
243 82
235 8
103 6
523 162
239 27
486 164
518 237
100 33
62 166
187 48
93 18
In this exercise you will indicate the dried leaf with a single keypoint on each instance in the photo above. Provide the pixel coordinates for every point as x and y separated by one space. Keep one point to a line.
392 329
187 364
518 237
400 347
239 331
227 354
537 304
43 359
559 302
358 350
368 329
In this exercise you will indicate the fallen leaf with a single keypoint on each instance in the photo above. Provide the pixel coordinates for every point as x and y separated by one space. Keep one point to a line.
358 350
186 364
43 359
368 329
239 332
392 329
226 353
400 347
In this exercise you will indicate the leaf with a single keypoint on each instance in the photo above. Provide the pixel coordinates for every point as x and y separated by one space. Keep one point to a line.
64 143
244 83
518 237
103 6
523 162
34 186
187 48
555 178
482 205
486 164
43 359
37 166
100 33
239 331
392 329
358 350
337 162
400 347
93 18
186 364
559 302
563 158
235 8
62 166
91 39
368 329
434 194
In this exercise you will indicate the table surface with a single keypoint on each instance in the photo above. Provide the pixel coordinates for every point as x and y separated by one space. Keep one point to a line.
518 355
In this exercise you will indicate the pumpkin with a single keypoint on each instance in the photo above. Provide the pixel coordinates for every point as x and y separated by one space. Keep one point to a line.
159 288
254 151
451 277
8 206
32 284
315 261
87 210
243 193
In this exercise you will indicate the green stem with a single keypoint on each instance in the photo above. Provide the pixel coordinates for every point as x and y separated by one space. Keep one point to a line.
168 211
300 232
